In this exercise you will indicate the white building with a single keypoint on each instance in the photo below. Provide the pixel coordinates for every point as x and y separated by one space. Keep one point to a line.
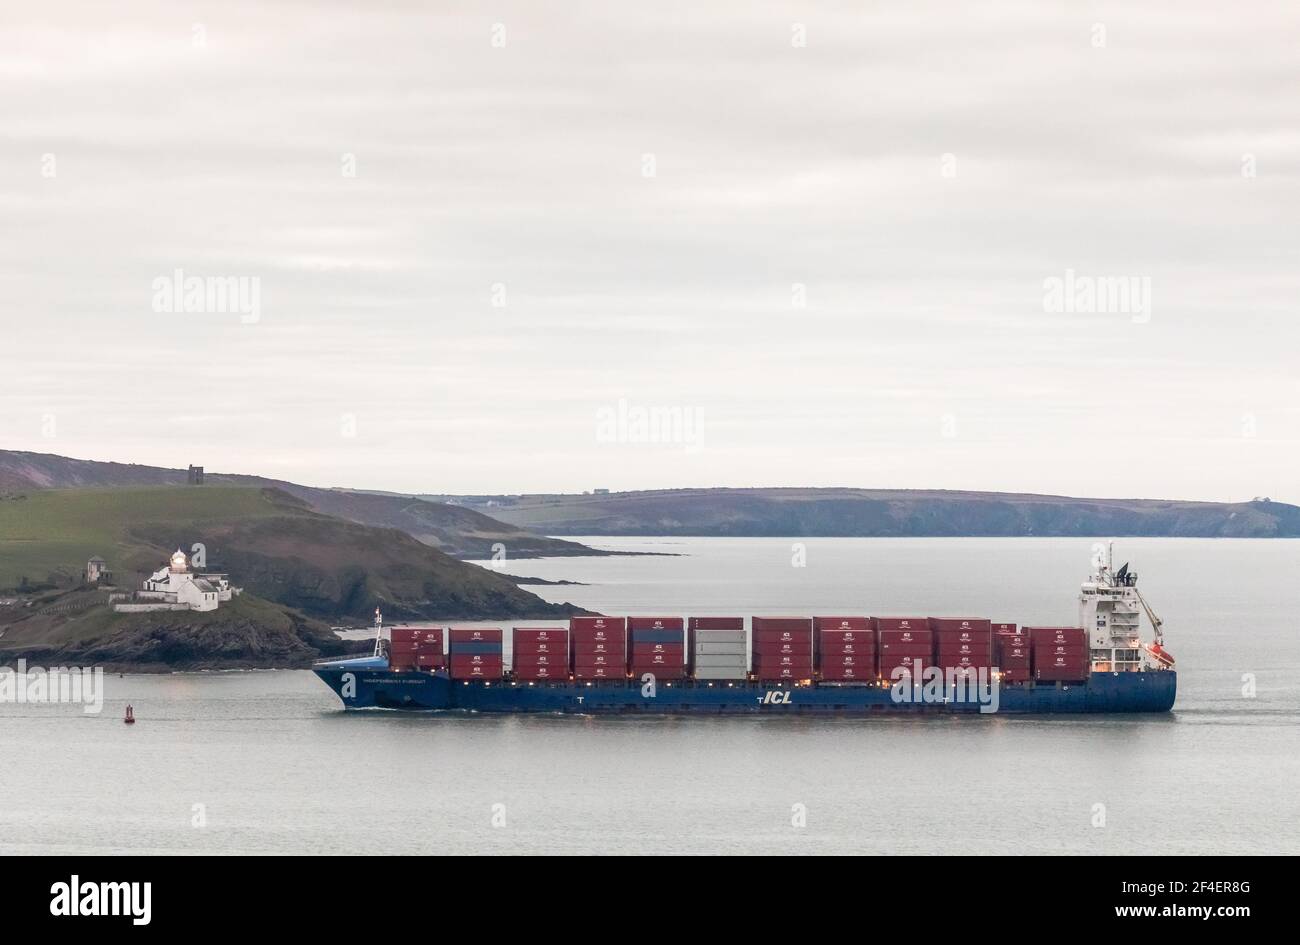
176 587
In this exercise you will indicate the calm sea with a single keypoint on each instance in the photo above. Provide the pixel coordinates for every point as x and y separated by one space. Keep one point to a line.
269 763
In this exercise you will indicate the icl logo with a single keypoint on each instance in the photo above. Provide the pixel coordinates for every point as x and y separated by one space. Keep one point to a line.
775 697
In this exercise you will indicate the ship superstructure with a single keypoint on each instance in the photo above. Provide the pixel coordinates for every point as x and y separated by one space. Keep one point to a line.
1110 610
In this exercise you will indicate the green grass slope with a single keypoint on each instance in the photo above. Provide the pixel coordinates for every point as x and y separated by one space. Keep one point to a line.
460 532
271 543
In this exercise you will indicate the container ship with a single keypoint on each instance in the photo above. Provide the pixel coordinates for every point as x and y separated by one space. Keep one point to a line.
841 665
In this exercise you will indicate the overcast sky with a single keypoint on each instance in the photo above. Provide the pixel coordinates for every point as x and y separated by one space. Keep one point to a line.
483 234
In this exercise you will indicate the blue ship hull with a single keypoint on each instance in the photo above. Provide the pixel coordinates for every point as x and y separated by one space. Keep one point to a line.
368 684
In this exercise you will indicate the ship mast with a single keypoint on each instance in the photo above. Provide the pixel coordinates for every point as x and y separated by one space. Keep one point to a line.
379 633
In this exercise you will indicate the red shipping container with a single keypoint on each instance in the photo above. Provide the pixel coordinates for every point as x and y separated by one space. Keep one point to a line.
542 672
614 625
475 667
781 636
1065 635
965 662
600 659
867 648
838 662
849 674
476 635
541 659
660 670
430 660
887 668
599 672
645 649
465 659
526 648
1073 659
785 646
1054 650
964 649
540 635
908 650
1016 675
1012 639
952 637
1003 628
905 636
717 623
785 624
542 640
773 637
603 639
659 659
772 657
655 623
784 672
615 647
851 624
415 634
1014 653
770 661
782 659
961 624
836 637
895 624
403 647
1018 661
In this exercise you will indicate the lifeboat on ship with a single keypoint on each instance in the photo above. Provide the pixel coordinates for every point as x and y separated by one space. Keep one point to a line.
1161 655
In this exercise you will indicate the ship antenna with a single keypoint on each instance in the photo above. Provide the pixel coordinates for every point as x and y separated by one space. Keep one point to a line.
379 632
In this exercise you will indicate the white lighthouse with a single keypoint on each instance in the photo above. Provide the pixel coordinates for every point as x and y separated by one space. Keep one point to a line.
176 587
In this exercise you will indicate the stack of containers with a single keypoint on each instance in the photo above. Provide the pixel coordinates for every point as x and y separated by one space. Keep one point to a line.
540 653
476 653
717 648
429 651
599 647
902 641
658 646
1011 652
783 648
1060 653
963 644
845 648
402 648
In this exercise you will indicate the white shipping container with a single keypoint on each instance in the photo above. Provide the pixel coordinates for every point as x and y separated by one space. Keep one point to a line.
720 636
718 672
720 649
720 667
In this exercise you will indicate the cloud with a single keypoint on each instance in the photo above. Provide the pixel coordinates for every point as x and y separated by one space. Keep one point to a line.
838 260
